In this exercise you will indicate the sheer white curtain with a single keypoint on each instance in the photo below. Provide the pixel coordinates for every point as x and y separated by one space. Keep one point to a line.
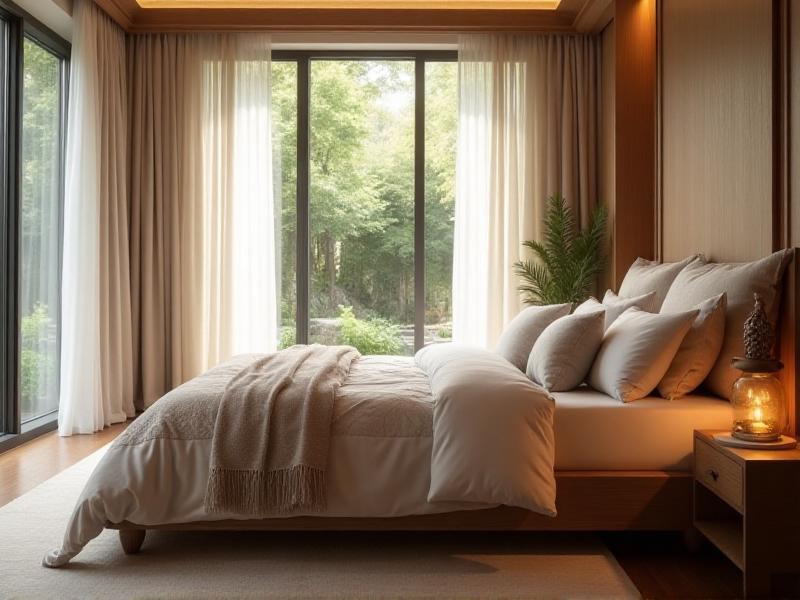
240 289
527 130
203 213
169 220
96 348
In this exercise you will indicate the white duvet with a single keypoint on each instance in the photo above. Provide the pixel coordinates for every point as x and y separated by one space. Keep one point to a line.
453 429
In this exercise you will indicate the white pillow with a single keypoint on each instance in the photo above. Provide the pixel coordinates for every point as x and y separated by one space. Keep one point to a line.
698 351
563 354
699 282
636 352
651 276
614 306
521 333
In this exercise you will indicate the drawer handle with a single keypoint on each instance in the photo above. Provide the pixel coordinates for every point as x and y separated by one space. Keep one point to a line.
713 474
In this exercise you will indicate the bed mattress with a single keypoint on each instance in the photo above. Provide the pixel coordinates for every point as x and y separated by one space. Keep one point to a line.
596 432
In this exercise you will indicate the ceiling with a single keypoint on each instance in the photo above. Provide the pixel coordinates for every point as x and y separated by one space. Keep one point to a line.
356 4
360 15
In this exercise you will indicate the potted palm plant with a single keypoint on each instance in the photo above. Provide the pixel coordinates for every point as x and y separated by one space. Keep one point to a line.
567 261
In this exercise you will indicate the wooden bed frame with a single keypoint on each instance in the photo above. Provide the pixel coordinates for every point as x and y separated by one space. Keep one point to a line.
587 500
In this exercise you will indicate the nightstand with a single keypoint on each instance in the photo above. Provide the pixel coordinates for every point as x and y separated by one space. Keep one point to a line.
747 503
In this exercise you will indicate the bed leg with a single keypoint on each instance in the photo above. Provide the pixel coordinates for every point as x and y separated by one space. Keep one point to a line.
131 540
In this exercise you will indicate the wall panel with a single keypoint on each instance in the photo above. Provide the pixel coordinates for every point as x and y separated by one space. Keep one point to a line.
607 168
717 128
794 121
635 133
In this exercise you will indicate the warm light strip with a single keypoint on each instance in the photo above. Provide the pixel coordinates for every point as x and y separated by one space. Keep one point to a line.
358 4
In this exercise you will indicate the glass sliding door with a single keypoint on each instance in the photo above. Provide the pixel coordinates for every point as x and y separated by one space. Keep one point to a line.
365 155
7 351
284 145
361 204
40 207
441 129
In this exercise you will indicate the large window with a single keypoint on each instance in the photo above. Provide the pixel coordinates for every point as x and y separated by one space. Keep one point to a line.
39 229
33 72
284 143
372 163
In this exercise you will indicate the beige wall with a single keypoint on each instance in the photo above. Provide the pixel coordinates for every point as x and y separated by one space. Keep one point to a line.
717 128
607 170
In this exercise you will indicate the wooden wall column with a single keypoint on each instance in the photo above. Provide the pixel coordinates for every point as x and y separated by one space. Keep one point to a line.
635 67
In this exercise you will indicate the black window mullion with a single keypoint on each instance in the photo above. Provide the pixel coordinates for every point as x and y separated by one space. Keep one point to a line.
419 204
303 186
9 224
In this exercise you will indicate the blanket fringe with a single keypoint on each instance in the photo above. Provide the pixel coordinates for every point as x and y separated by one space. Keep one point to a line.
257 492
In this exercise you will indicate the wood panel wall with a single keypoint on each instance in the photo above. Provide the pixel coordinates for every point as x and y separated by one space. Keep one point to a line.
629 154
716 129
607 174
729 180
794 121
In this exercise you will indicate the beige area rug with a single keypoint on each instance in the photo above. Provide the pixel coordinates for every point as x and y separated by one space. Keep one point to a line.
293 565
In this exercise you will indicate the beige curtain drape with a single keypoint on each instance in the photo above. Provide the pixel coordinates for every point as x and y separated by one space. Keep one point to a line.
166 210
202 212
96 345
527 130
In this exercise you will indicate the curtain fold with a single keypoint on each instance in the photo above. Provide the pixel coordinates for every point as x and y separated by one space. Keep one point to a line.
202 209
96 345
169 218
527 130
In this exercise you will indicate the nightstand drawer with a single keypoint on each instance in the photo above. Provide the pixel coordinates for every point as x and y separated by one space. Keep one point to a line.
719 473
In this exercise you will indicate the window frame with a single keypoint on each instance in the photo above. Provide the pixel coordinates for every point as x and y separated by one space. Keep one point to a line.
303 59
21 25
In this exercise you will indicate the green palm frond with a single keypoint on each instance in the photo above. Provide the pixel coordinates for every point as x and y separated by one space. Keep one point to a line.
567 261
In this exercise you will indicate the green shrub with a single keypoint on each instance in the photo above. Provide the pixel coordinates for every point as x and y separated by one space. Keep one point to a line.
288 336
374 336
34 364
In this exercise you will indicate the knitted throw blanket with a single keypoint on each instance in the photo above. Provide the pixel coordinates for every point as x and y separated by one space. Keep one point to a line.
271 437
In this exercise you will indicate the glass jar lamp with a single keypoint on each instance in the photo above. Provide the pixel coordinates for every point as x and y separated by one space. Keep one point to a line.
759 410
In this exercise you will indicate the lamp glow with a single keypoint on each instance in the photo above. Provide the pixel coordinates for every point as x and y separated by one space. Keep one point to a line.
759 413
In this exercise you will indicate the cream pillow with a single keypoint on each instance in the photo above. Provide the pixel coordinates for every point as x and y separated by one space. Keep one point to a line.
563 354
636 352
651 276
698 351
521 333
699 282
614 306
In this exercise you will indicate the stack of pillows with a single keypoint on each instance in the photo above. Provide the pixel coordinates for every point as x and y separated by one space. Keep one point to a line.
672 328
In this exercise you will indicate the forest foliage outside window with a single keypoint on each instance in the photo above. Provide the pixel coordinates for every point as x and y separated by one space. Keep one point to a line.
33 73
362 200
40 232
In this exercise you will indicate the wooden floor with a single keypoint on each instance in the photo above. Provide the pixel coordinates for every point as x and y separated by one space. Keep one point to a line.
657 563
28 465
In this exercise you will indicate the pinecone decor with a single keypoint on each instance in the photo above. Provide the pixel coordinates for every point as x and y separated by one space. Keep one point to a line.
758 334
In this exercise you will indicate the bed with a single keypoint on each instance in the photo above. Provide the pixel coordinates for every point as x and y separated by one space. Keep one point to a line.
617 466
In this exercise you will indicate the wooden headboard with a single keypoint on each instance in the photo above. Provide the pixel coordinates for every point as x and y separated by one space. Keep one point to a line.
788 341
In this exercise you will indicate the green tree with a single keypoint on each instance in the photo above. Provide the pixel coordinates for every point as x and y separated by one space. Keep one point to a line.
362 187
344 200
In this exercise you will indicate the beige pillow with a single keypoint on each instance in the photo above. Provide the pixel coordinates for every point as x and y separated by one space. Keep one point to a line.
563 354
521 333
699 282
636 352
651 276
614 306
698 351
